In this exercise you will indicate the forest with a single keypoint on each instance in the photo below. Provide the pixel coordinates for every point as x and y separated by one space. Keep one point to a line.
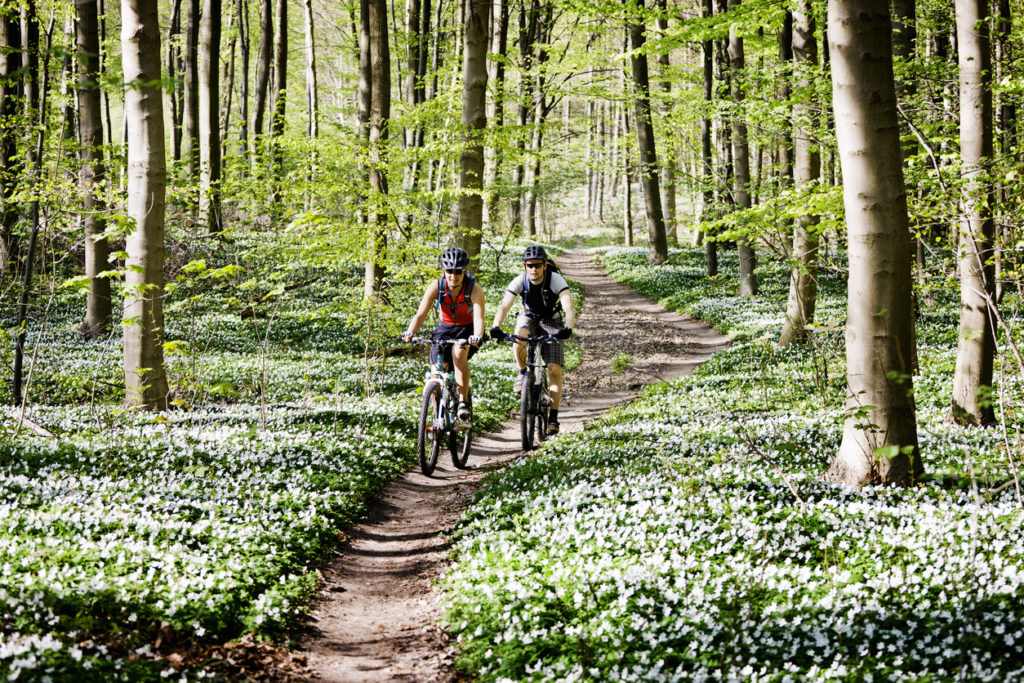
216 220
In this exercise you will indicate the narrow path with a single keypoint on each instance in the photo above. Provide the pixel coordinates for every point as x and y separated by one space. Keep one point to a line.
376 619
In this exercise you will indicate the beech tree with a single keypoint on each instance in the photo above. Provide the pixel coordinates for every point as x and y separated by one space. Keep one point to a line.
280 98
648 166
803 280
499 46
706 156
474 121
209 117
264 61
190 121
741 159
879 441
975 354
379 114
98 306
10 105
145 381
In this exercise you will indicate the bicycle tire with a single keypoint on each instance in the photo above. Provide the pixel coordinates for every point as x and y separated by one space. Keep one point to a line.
526 414
540 418
460 441
427 447
542 410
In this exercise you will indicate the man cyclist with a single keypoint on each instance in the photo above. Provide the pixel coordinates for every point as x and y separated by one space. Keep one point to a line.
546 296
460 301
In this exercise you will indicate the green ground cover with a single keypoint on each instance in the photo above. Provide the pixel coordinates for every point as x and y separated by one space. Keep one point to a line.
687 537
206 522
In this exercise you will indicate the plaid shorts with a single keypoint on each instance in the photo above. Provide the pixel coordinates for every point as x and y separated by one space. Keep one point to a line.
552 352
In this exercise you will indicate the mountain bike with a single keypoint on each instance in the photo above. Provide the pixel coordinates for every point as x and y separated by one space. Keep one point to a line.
438 424
534 401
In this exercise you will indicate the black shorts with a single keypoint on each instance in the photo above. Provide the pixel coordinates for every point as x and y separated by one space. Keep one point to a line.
550 352
445 331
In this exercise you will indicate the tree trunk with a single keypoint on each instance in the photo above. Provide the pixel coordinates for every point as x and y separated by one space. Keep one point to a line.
145 382
499 46
591 150
209 117
1006 259
785 141
972 379
627 187
280 97
412 67
648 166
540 47
668 164
880 432
243 95
264 61
108 131
173 91
707 160
602 157
30 32
803 281
36 115
540 102
380 113
741 160
365 87
312 94
93 174
10 164
190 144
528 24
474 121
725 199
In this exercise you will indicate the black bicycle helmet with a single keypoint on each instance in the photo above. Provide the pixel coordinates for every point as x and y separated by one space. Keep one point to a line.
534 252
454 258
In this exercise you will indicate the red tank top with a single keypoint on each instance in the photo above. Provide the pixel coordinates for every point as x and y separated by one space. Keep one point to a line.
457 309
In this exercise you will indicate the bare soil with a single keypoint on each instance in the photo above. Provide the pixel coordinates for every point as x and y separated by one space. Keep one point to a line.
377 617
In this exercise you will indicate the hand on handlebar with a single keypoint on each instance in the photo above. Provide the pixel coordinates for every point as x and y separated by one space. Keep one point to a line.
497 334
475 340
563 333
406 337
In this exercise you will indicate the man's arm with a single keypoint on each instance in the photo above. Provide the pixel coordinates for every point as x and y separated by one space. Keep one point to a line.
565 298
503 308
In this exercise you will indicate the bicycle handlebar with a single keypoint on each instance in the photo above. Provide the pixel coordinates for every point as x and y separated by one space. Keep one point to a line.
443 342
539 340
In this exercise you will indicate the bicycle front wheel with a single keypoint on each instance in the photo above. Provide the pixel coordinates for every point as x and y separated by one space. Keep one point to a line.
526 425
541 416
428 441
541 406
459 440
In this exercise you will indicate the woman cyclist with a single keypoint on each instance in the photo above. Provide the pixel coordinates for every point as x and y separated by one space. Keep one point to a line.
460 301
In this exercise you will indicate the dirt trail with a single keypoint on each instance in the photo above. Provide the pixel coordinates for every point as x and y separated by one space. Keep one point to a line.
376 618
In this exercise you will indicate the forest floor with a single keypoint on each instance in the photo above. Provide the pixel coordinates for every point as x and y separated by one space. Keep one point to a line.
377 617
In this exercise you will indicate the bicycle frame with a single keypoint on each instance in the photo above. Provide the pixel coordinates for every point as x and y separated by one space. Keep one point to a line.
535 401
437 421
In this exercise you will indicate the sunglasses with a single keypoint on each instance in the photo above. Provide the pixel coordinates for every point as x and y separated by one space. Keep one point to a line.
455 271
539 264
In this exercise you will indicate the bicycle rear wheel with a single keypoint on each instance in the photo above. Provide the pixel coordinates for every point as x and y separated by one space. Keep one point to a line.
459 440
542 409
526 425
428 443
